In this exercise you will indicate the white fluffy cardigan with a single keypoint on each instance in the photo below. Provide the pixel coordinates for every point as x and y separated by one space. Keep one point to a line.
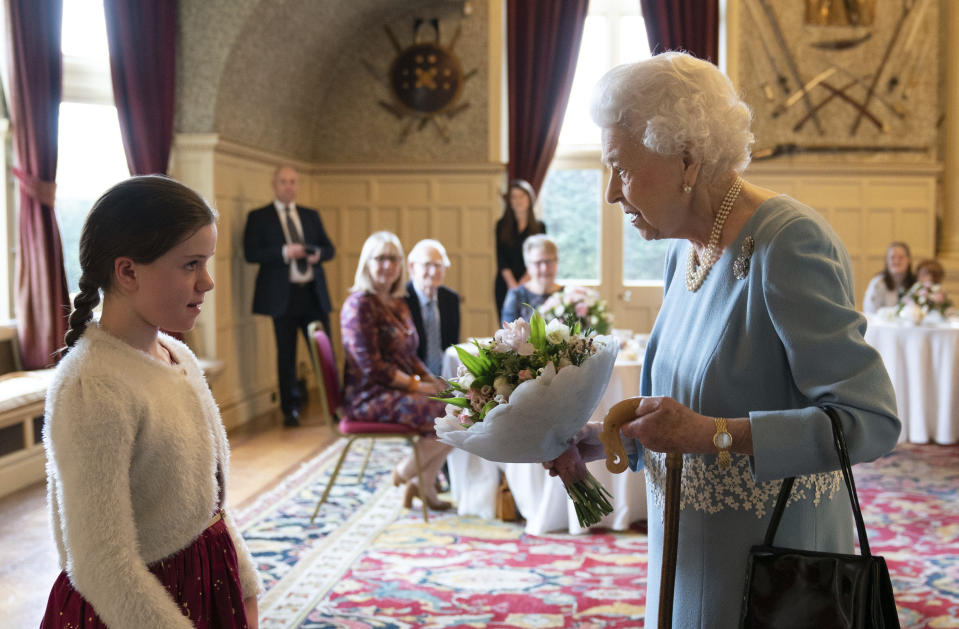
133 446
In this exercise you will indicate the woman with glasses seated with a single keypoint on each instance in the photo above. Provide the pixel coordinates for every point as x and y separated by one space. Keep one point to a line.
542 259
384 380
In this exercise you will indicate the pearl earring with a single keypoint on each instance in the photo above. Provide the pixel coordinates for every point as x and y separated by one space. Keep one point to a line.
687 188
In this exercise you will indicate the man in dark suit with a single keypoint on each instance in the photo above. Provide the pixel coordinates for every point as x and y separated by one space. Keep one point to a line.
435 308
289 243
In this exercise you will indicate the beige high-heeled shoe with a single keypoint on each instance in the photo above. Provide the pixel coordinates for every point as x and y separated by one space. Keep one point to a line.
413 491
399 480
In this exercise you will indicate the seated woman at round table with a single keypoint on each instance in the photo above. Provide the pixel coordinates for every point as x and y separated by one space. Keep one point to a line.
542 260
890 284
930 272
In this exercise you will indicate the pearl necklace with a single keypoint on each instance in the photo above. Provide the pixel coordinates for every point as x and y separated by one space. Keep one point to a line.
696 273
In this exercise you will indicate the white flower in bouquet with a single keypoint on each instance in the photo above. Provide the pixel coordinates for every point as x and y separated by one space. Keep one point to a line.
514 337
557 332
530 390
463 376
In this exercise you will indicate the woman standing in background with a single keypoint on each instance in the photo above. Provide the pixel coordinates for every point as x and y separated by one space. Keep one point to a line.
516 225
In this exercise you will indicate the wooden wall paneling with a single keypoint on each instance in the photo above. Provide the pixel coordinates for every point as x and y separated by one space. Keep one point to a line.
456 209
356 226
419 225
244 341
848 222
456 204
449 230
389 218
333 218
478 232
868 205
404 190
782 185
462 191
341 191
358 223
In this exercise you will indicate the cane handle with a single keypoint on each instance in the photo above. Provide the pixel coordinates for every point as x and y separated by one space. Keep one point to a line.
621 413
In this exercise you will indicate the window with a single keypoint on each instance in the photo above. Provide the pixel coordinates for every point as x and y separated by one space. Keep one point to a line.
572 221
90 154
572 195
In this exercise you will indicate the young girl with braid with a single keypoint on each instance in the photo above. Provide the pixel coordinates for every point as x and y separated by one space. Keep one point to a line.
137 457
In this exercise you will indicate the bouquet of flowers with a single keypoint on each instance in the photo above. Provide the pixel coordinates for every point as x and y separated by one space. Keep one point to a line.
922 299
526 393
581 303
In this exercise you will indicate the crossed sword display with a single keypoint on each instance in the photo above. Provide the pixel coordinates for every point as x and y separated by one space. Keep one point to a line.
905 73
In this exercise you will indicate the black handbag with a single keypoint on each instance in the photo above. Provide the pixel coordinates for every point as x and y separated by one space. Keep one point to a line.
790 588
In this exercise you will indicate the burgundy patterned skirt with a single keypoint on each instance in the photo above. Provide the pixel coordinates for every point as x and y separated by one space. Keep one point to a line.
203 578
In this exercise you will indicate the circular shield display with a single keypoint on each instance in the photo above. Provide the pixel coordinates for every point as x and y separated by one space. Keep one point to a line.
426 78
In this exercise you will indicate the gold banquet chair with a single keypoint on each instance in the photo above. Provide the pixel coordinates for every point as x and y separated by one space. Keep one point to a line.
324 368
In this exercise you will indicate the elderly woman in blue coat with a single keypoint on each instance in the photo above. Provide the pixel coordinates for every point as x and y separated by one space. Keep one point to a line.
757 332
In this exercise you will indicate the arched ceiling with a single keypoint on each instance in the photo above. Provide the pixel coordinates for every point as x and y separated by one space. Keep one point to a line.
258 71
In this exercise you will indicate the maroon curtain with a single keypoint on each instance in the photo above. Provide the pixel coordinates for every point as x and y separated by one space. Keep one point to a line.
543 42
690 25
41 300
142 41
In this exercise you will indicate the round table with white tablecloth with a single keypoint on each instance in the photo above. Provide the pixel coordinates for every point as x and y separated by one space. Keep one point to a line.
540 498
923 364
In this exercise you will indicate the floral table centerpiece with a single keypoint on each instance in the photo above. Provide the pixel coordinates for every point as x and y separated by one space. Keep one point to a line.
921 300
581 303
526 393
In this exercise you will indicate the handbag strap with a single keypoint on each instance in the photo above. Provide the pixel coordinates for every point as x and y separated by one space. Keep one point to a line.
787 485
840 439
784 490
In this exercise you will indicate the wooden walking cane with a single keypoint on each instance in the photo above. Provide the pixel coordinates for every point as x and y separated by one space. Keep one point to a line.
674 475
616 461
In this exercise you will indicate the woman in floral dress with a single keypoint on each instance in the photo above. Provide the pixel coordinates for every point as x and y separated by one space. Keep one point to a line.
384 379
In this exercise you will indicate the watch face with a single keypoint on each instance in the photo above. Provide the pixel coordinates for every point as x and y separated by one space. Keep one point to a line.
426 78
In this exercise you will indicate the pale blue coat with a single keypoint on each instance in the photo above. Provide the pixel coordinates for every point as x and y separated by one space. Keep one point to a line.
772 346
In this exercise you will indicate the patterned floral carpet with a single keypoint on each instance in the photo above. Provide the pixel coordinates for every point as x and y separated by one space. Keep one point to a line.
910 501
368 563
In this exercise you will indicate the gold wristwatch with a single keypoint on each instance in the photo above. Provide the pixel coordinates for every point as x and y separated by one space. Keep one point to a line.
722 440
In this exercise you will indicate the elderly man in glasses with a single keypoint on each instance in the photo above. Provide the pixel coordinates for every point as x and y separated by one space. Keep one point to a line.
435 308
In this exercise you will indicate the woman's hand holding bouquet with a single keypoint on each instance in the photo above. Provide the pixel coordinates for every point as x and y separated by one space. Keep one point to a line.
589 496
526 394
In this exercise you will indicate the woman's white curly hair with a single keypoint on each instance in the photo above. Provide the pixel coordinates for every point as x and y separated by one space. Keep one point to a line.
674 102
